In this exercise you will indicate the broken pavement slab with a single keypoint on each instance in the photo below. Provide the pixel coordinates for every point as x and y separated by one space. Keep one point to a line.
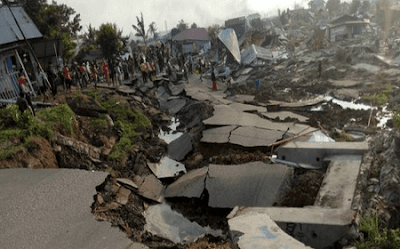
255 137
189 185
304 103
128 183
166 168
317 227
176 89
285 114
59 214
175 105
162 221
250 230
151 188
218 135
252 184
229 185
226 115
180 147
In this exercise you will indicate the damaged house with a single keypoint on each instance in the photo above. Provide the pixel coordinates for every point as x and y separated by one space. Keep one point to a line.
345 27
192 40
21 52
15 54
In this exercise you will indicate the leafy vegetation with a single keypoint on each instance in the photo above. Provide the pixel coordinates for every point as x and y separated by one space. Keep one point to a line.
382 97
128 121
110 39
55 21
378 236
22 127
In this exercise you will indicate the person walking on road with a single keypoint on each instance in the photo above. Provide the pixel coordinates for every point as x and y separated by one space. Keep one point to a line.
213 79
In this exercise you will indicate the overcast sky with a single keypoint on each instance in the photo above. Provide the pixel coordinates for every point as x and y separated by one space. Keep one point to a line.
203 12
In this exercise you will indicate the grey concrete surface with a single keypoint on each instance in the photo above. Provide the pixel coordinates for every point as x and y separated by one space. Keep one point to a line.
339 184
283 115
217 135
50 208
189 185
314 153
254 184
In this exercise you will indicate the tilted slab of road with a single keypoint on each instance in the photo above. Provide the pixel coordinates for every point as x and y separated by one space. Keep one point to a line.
50 208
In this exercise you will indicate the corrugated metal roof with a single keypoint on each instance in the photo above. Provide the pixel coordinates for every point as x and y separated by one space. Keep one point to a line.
253 52
192 34
229 39
9 29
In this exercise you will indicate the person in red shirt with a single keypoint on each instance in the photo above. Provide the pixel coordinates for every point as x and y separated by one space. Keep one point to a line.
67 78
106 70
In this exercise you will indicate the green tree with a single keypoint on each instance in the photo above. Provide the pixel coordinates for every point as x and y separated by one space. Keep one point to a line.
355 4
56 21
139 28
182 25
111 40
333 6
193 26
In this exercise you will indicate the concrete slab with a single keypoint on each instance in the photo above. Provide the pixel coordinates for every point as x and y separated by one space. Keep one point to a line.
247 108
166 168
316 227
254 230
340 182
251 184
180 147
175 105
344 83
314 153
189 185
226 115
254 137
127 183
176 89
309 102
162 221
217 135
242 98
283 115
51 209
151 188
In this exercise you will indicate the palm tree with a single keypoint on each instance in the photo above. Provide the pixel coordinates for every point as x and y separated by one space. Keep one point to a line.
152 30
139 28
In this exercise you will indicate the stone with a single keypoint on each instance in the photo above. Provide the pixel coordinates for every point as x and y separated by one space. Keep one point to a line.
123 196
151 188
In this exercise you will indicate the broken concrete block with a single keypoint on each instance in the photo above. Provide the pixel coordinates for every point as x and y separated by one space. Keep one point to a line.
253 184
151 188
251 229
180 147
254 137
128 183
283 115
175 105
217 135
176 89
166 168
189 185
123 196
162 221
